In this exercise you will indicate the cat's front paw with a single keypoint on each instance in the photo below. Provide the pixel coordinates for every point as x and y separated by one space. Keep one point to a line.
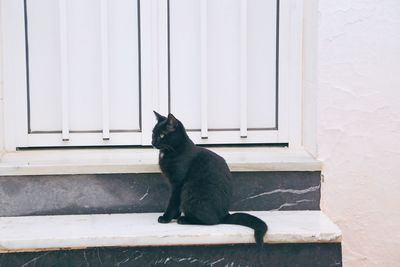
163 219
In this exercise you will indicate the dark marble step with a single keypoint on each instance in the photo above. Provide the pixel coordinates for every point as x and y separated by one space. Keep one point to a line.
316 255
148 192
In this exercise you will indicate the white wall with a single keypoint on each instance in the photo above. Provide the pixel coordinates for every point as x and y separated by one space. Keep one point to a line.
1 90
358 125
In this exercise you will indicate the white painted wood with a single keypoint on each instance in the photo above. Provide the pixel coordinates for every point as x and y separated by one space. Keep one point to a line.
45 65
64 69
123 76
290 71
185 64
204 67
283 69
146 36
149 69
14 75
233 137
155 56
104 68
133 160
86 70
2 150
124 88
261 92
310 82
295 72
222 67
225 71
85 139
162 35
85 93
243 68
36 233
159 55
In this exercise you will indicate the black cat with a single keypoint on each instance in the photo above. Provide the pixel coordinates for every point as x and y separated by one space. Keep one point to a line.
200 181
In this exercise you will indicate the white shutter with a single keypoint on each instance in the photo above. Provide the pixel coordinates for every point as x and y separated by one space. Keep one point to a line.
90 72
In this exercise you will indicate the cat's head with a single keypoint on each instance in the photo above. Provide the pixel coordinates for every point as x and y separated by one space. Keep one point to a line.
168 133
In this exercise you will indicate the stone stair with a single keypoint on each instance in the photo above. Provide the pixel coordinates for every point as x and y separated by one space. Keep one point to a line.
78 215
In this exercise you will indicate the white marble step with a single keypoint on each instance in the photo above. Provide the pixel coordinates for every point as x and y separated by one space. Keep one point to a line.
40 233
145 160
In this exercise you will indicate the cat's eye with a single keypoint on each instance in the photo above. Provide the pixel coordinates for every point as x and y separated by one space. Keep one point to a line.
162 136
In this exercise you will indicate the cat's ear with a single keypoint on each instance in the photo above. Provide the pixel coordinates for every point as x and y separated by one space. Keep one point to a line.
172 122
158 116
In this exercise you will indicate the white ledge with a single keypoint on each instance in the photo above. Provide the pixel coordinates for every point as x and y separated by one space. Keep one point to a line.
41 233
135 160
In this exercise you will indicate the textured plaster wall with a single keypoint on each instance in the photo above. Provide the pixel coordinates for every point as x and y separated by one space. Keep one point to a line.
1 90
358 125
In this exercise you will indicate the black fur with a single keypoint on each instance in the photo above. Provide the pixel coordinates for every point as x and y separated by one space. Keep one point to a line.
200 180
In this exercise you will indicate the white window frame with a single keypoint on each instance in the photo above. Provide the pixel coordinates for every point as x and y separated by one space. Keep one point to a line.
154 73
289 87
15 87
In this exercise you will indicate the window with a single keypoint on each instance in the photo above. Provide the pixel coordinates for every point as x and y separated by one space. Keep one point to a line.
91 72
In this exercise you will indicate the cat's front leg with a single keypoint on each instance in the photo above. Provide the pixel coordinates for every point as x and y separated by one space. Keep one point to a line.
173 209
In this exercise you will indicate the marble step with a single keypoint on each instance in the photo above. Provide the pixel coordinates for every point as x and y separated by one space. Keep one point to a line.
95 181
42 233
239 255
307 238
145 160
148 192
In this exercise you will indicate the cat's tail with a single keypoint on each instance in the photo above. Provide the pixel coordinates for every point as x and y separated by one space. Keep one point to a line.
259 226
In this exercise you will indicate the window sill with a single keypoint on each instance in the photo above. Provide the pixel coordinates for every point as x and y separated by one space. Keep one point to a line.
144 160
